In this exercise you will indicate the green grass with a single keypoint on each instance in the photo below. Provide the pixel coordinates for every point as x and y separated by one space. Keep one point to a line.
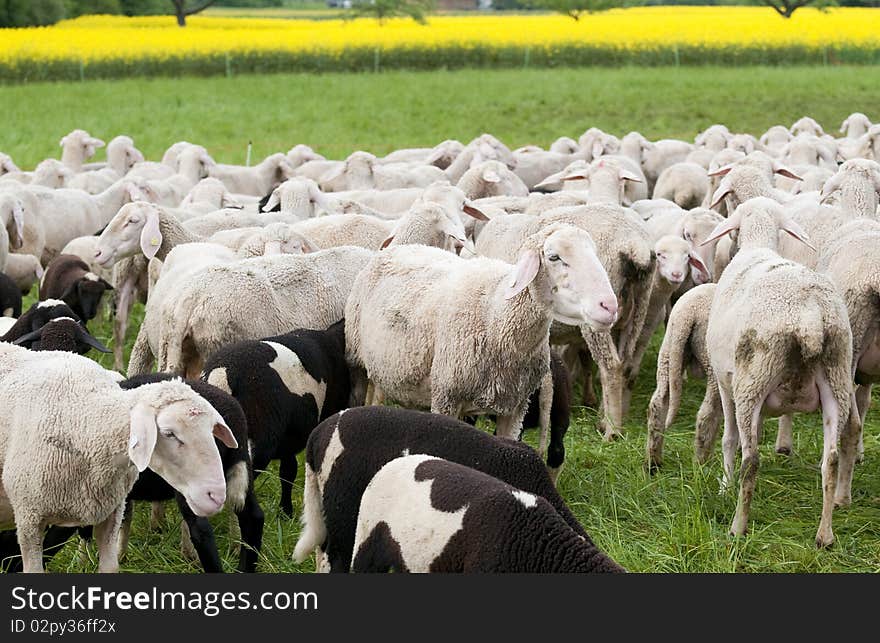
675 520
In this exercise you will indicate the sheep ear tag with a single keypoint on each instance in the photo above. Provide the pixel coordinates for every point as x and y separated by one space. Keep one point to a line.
142 435
524 272
151 236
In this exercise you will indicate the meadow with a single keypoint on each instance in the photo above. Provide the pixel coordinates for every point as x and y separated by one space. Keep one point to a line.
93 47
673 521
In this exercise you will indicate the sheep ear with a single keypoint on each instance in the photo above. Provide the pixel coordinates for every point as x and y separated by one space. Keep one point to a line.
308 246
723 190
844 124
63 141
84 336
598 149
18 219
830 186
626 175
524 272
38 271
274 200
386 242
142 436
725 227
224 434
550 180
576 176
332 174
135 193
228 201
475 212
491 176
784 171
104 283
28 337
695 261
795 230
95 142
722 171
151 235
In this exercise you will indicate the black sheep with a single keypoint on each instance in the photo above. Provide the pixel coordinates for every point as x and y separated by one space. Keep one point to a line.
424 514
239 482
52 325
10 297
286 384
70 279
349 448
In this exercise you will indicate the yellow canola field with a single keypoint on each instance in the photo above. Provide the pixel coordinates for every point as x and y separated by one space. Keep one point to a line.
121 40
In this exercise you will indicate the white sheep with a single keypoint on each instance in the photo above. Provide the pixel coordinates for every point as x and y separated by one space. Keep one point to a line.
855 125
491 178
77 148
256 180
686 184
483 148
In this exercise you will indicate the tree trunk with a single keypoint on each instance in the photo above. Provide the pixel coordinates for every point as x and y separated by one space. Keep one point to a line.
181 19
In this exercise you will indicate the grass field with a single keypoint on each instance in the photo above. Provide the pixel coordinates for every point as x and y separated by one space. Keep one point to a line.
673 521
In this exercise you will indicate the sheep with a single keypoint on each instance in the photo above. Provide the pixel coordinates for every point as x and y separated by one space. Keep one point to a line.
298 197
300 154
49 173
208 195
684 346
714 138
855 125
594 143
10 297
86 248
747 179
564 145
361 171
686 184
856 187
534 165
205 311
608 179
423 514
806 125
490 350
7 165
256 180
274 239
69 279
624 247
24 270
779 341
443 154
483 148
694 226
77 148
28 329
286 385
61 334
775 139
24 233
745 143
343 454
812 180
654 157
89 438
122 155
491 178
238 472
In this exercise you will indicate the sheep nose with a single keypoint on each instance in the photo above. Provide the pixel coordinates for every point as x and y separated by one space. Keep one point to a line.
609 304
676 275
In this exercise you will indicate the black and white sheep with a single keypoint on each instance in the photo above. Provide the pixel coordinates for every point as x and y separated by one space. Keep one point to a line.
346 450
424 514
52 325
240 496
10 297
70 279
286 384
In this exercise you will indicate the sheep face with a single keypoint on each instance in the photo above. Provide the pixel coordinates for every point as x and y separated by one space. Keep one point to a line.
85 294
135 227
675 257
172 431
62 334
80 145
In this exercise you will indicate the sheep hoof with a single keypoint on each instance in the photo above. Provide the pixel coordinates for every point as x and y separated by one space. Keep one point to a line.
824 541
653 466
783 450
843 501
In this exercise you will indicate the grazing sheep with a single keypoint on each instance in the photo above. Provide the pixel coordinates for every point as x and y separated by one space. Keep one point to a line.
69 279
240 496
10 297
37 316
424 514
89 438
491 178
490 350
343 455
686 184
286 385
779 341
684 347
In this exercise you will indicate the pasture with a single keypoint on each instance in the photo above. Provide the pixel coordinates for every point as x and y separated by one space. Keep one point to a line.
673 521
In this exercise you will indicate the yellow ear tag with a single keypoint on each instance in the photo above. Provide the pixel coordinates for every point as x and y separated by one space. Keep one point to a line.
154 241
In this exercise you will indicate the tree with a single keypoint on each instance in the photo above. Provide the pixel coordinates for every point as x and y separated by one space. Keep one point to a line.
381 10
181 9
787 7
575 8
30 13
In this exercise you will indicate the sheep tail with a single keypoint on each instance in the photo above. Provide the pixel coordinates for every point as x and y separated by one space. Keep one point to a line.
678 333
810 331
314 531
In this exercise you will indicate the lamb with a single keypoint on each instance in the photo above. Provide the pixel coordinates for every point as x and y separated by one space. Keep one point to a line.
483 148
812 180
274 239
286 385
443 154
534 164
205 311
654 157
806 125
714 138
855 125
37 316
745 143
686 184
10 297
90 438
208 195
775 139
595 143
491 178
342 456
694 226
77 148
779 341
69 279
49 173
458 360
684 346
194 163
608 179
122 155
423 514
24 233
24 270
256 180
300 154
237 469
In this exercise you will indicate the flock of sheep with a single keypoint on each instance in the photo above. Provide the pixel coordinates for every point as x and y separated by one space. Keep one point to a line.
286 301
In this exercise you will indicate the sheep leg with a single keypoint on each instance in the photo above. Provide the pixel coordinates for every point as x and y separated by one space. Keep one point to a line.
730 441
656 427
30 542
250 522
863 400
850 438
588 394
784 436
157 515
831 419
509 426
545 403
612 401
124 303
107 539
748 418
201 537
708 421
125 528
287 472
